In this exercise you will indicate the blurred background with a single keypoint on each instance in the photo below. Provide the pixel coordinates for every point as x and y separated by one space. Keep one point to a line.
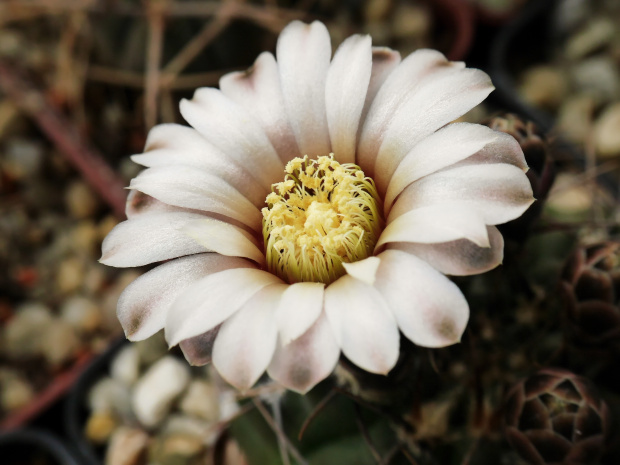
82 82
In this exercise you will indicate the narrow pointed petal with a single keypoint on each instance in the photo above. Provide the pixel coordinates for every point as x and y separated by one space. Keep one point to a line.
306 361
365 270
499 192
259 92
198 350
384 61
246 341
363 324
144 304
224 239
438 101
345 94
396 89
429 308
187 187
461 257
139 203
300 306
441 149
213 299
232 130
172 145
304 52
435 224
148 239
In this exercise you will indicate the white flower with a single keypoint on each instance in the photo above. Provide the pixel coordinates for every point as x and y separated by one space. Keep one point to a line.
330 258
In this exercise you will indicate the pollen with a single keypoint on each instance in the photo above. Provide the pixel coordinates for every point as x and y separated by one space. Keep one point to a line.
322 215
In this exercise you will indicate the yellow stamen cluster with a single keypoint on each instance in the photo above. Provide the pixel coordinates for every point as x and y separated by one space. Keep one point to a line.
322 215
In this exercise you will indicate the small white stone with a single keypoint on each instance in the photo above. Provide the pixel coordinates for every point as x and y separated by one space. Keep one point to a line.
110 395
157 390
60 342
81 313
126 366
607 132
544 86
128 446
201 400
15 392
22 334
81 201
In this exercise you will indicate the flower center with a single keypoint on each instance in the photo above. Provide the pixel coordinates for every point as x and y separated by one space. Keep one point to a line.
322 215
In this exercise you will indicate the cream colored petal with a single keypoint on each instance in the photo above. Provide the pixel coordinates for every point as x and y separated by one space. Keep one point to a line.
144 304
224 238
139 203
198 350
363 324
247 340
211 300
396 89
437 223
173 145
187 187
441 149
303 53
384 61
149 238
306 361
300 306
438 100
499 192
235 132
461 257
345 92
430 309
259 92
365 270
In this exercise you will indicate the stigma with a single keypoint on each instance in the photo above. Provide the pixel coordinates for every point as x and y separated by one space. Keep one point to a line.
323 214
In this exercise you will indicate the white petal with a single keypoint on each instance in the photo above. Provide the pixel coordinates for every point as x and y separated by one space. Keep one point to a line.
224 239
384 61
438 100
303 53
499 192
365 270
211 300
187 187
430 309
363 324
172 145
235 132
150 238
300 306
258 90
246 341
198 350
437 223
303 363
443 148
138 203
345 93
144 304
461 257
398 86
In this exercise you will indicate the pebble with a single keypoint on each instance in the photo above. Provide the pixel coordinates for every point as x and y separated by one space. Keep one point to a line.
126 365
201 400
110 395
188 425
15 392
22 158
575 118
100 426
177 449
152 349
375 10
607 132
81 313
158 388
411 21
85 239
544 86
22 334
569 199
59 342
128 446
596 34
69 275
81 200
597 76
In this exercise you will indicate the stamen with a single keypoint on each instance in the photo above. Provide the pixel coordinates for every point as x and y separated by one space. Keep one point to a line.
322 215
